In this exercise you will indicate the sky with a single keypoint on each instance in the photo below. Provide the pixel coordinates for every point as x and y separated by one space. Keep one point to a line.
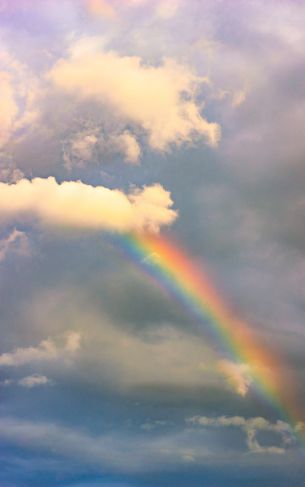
152 269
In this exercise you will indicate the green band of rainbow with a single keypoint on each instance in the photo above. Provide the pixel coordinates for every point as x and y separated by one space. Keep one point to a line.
178 276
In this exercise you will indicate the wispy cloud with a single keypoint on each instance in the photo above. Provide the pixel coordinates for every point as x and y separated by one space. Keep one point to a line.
47 350
251 426
29 382
34 380
16 242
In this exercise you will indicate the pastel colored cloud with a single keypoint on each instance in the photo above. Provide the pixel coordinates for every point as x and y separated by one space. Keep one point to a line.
113 10
161 100
73 204
101 8
129 146
237 375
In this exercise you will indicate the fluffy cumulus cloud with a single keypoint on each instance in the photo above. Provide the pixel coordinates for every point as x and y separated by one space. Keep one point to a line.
251 426
47 350
161 100
74 204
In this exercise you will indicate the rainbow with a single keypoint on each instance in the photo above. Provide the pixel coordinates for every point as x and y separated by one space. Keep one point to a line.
177 275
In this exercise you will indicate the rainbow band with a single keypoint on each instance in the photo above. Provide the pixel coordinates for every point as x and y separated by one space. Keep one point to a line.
177 275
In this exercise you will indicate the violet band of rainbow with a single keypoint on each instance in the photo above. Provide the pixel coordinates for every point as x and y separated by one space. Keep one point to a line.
177 276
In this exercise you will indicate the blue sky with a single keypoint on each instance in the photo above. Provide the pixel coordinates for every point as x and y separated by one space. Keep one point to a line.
183 118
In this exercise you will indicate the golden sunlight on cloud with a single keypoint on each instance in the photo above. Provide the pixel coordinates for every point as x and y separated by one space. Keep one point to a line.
101 8
73 204
159 99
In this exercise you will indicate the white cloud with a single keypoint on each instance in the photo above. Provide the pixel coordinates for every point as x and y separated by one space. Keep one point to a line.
73 204
251 426
47 350
34 380
16 242
237 375
159 99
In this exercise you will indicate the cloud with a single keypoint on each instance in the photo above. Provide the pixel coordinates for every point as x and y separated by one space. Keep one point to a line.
238 375
251 426
101 8
117 353
129 146
34 380
18 88
167 8
112 451
120 451
98 144
75 205
16 242
113 10
80 149
161 100
47 350
9 108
